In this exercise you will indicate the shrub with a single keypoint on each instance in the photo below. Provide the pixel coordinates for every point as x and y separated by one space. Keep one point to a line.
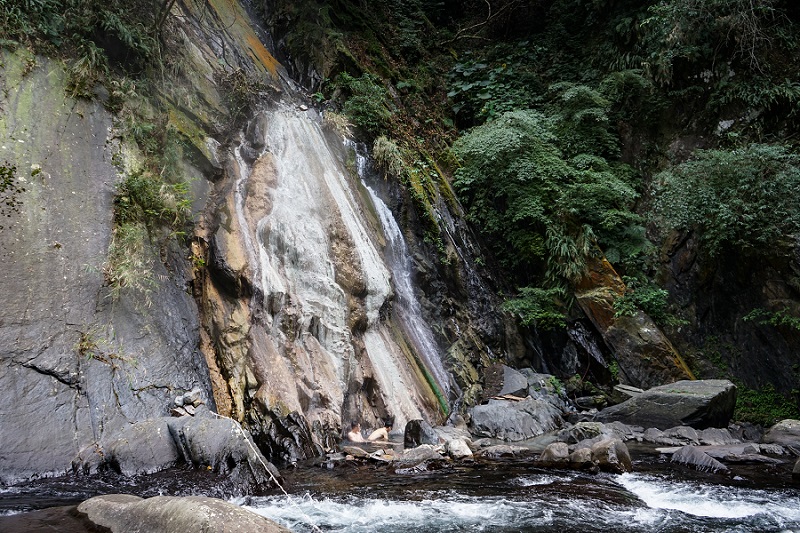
367 104
535 305
764 406
536 207
744 199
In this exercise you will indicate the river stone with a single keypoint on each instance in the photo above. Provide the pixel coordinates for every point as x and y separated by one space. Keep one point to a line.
555 454
501 450
419 432
581 431
419 454
581 459
716 437
612 455
699 404
448 433
796 471
683 434
121 513
515 421
785 433
457 449
697 457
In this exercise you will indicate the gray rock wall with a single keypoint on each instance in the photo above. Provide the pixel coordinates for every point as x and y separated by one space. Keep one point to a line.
74 363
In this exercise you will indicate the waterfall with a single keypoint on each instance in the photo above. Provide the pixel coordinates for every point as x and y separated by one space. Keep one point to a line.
322 282
407 305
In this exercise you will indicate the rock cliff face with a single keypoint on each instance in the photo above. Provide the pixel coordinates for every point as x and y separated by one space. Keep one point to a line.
76 364
283 305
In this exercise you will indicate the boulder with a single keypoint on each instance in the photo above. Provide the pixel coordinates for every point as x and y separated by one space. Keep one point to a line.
122 513
698 458
418 432
419 454
581 431
555 454
221 445
645 355
448 433
514 383
457 449
611 455
581 459
716 437
699 404
796 471
545 387
500 380
501 450
785 433
515 421
143 448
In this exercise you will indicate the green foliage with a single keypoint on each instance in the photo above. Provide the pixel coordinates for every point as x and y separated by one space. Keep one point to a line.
89 31
744 199
144 199
694 32
10 189
484 90
764 406
538 306
642 294
389 156
780 318
129 264
582 124
367 105
535 205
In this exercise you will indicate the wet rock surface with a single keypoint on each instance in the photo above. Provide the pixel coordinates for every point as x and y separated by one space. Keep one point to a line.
122 513
699 404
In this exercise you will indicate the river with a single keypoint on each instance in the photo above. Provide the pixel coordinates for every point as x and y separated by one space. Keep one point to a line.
503 496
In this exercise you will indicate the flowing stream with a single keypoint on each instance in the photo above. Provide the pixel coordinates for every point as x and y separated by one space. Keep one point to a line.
518 498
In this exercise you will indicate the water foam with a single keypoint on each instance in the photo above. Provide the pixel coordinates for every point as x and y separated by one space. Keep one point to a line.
711 501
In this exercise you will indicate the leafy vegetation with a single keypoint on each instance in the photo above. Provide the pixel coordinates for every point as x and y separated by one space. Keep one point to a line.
779 318
93 34
764 406
367 104
539 207
744 199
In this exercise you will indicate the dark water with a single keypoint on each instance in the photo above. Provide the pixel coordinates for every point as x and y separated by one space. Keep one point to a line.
497 496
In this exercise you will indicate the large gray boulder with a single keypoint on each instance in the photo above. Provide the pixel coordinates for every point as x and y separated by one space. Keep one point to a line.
203 441
699 404
515 421
697 457
143 448
785 433
123 513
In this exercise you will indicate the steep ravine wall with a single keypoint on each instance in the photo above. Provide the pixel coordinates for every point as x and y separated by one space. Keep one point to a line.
76 364
278 306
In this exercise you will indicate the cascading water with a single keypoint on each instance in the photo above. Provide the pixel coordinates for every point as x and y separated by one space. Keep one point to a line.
322 282
406 304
